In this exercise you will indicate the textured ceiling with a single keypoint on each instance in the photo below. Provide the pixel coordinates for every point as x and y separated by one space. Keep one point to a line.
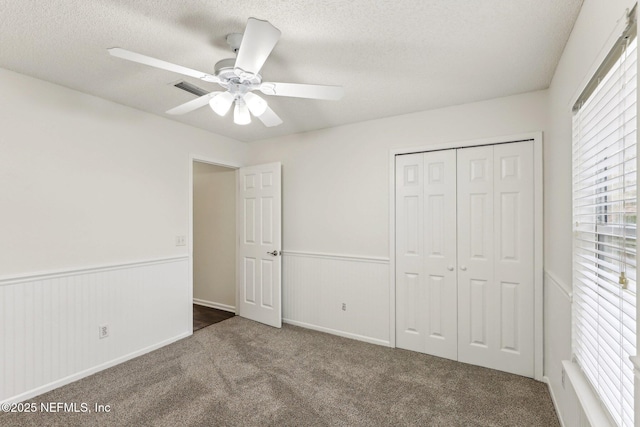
392 57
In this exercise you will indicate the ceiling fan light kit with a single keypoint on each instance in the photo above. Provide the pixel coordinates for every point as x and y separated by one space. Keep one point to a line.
241 114
240 77
221 103
256 105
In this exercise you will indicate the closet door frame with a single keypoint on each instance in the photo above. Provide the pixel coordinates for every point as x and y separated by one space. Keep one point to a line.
536 137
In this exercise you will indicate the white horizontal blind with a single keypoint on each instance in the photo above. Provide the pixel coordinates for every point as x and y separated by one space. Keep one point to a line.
604 212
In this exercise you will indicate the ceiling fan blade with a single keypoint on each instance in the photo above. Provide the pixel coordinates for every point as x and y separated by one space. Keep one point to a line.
258 40
157 63
270 118
296 90
194 104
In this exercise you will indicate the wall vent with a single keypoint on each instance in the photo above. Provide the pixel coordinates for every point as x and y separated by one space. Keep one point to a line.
188 87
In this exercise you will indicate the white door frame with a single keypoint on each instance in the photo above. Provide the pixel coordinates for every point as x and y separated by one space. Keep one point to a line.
216 162
536 137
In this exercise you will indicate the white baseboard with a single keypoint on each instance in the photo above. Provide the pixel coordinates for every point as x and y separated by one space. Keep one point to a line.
217 305
79 375
546 380
339 333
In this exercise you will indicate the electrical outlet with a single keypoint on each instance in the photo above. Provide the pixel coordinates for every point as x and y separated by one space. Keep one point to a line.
344 306
563 375
103 331
181 241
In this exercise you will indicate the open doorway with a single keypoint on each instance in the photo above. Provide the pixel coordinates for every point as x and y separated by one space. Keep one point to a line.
214 243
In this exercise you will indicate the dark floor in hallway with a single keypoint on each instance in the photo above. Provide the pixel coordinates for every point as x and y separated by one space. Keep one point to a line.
206 316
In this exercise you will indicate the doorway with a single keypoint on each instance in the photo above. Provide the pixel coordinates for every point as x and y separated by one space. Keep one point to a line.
249 258
213 240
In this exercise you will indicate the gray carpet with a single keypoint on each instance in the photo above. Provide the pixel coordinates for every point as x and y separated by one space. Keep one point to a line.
241 373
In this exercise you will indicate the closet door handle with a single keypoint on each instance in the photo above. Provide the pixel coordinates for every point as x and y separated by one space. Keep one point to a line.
450 268
463 267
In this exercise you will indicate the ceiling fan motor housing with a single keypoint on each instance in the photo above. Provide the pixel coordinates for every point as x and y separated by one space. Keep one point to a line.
225 70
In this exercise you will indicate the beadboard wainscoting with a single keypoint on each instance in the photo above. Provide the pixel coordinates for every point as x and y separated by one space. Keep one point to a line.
340 294
575 402
49 322
557 347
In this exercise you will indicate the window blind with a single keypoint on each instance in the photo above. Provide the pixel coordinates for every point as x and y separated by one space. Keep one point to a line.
604 242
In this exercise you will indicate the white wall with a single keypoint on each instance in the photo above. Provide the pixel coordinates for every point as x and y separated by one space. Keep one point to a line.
336 203
214 235
336 181
85 181
582 54
88 189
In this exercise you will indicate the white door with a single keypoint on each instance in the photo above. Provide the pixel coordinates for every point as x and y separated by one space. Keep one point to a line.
426 289
259 229
495 257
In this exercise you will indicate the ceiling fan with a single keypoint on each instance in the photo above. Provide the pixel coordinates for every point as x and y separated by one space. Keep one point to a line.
240 77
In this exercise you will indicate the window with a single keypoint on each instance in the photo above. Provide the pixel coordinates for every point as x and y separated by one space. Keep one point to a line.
604 242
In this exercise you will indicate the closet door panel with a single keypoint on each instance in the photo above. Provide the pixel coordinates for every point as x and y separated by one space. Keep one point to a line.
440 253
410 281
426 279
495 256
476 288
514 256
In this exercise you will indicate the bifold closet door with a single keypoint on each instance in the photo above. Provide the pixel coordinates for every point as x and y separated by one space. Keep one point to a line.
426 287
495 257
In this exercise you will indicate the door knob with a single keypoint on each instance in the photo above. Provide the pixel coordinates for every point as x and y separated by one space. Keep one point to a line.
463 267
274 253
450 268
